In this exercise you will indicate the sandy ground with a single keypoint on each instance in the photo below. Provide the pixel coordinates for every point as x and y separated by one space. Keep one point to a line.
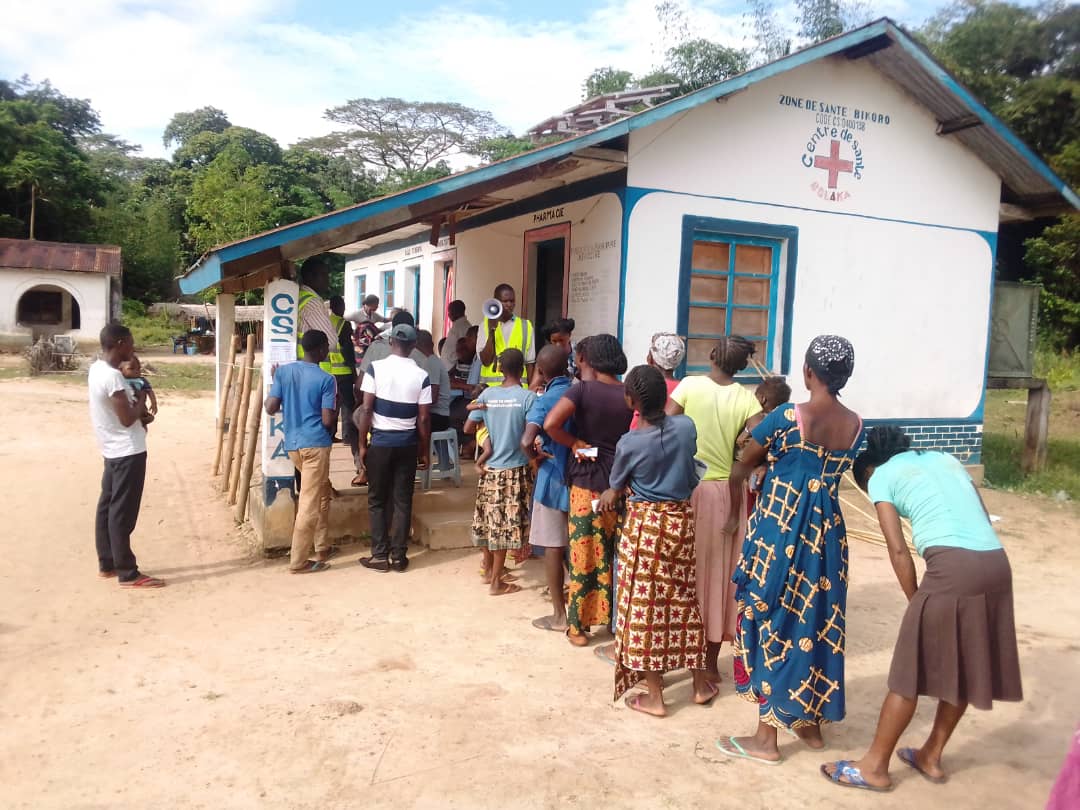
241 686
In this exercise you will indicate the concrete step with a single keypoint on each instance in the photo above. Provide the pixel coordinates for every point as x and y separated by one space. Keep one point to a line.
442 530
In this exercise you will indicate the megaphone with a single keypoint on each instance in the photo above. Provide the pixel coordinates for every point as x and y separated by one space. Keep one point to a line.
493 309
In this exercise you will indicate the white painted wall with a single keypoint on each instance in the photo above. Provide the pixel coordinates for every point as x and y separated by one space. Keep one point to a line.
90 290
913 298
494 254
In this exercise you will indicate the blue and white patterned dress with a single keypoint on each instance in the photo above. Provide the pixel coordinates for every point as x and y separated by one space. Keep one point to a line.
791 582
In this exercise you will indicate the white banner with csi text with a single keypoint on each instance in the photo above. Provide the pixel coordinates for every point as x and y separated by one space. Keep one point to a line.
279 347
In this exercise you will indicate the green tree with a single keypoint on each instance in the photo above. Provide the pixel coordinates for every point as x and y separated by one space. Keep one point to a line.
404 142
700 62
502 147
605 80
186 125
231 199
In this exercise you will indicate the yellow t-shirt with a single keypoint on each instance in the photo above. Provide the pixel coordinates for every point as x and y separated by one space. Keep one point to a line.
719 413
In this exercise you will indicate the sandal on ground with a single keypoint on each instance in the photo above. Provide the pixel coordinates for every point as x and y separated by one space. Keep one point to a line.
310 567
845 770
605 652
505 589
106 574
907 756
711 698
359 480
544 623
578 639
738 752
634 702
329 554
382 565
143 581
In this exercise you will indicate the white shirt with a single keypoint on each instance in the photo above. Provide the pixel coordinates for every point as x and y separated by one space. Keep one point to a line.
529 350
400 388
457 331
115 440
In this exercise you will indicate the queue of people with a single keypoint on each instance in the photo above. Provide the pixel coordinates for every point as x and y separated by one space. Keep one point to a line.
675 514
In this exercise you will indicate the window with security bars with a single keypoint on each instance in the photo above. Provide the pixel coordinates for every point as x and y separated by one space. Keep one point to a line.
732 291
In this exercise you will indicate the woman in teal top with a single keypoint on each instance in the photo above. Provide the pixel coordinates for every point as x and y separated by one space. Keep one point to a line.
957 640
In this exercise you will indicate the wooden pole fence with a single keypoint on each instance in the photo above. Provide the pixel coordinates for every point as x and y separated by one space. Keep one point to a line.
234 412
223 406
245 397
250 449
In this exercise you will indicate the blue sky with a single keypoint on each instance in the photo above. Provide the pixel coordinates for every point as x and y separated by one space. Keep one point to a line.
276 65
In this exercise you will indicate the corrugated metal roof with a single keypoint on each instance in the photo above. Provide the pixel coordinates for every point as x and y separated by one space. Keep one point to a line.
31 254
1028 180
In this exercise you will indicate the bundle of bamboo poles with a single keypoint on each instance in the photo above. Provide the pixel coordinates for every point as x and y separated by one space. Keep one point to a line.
239 417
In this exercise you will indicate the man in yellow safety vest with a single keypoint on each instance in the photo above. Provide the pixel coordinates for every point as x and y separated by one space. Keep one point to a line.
508 332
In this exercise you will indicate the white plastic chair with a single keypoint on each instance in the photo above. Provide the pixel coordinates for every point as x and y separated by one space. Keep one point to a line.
449 437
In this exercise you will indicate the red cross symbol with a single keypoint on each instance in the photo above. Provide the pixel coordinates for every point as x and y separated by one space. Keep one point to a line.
833 164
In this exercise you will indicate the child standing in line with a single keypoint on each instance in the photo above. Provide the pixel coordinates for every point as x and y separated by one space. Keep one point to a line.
133 379
501 518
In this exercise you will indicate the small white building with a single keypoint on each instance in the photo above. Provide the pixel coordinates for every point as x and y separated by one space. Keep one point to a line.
56 288
854 187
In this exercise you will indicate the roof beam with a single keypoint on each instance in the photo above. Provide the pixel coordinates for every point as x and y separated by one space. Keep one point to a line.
602 155
958 124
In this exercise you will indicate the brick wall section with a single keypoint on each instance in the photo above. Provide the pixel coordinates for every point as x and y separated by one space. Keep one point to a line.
963 440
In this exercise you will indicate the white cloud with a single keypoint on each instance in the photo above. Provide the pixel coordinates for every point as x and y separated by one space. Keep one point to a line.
141 63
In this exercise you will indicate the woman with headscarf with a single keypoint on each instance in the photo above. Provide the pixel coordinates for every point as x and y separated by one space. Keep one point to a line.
666 352
720 409
957 641
791 583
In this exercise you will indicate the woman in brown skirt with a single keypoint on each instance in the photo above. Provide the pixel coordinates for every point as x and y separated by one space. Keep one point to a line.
957 641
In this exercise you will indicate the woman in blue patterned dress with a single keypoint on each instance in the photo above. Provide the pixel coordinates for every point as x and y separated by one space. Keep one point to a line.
791 583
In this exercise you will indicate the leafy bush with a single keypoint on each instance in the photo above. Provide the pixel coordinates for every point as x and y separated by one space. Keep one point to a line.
153 330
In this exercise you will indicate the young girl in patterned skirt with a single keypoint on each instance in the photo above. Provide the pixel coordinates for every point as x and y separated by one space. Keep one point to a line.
659 625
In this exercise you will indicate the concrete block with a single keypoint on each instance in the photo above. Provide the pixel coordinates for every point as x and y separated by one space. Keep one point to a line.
443 530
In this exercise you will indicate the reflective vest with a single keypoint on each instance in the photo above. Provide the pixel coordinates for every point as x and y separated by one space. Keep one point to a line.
519 339
335 358
337 366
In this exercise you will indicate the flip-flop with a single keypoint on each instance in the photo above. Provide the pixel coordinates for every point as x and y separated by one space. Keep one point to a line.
310 567
544 623
142 581
632 702
601 653
578 639
712 697
907 756
742 753
359 481
329 554
505 589
845 770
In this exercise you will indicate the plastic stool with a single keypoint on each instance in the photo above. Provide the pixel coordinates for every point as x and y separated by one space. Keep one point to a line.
454 472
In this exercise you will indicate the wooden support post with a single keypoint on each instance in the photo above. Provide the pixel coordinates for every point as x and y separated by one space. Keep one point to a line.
250 449
1036 428
245 397
243 380
223 398
224 331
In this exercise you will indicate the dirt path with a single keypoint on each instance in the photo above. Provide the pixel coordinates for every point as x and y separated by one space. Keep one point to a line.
240 686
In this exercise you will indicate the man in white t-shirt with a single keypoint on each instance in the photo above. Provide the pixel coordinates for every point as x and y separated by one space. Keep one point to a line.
394 420
114 412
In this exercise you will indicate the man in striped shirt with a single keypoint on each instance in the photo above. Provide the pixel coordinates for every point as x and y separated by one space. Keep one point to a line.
396 412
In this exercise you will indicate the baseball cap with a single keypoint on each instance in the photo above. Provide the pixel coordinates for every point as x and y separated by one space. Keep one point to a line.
403 332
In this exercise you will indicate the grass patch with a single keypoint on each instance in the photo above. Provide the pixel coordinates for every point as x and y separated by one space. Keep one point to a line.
153 330
1003 434
182 376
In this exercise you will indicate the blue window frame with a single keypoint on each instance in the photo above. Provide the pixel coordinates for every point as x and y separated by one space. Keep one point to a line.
361 290
387 291
736 278
415 273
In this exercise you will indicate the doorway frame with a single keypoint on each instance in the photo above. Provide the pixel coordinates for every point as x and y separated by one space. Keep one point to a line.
560 230
439 260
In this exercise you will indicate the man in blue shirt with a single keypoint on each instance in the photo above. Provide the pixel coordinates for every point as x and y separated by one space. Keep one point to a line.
551 496
306 396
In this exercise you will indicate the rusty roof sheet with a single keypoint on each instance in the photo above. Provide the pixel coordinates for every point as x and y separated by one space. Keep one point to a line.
32 254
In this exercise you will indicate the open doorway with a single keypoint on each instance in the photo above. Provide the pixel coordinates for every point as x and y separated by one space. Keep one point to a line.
547 264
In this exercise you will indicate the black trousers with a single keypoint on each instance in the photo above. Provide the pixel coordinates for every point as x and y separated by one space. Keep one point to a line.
117 512
391 474
346 405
